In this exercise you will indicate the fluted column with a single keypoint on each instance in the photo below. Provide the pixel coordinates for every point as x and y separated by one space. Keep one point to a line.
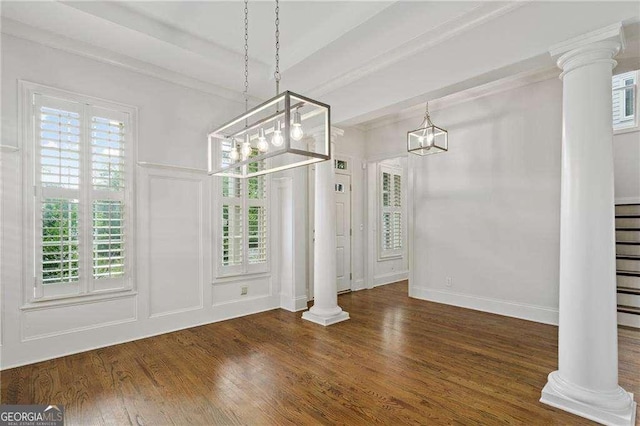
586 382
325 309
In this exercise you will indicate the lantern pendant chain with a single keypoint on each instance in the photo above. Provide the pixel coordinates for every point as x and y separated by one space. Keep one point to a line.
276 74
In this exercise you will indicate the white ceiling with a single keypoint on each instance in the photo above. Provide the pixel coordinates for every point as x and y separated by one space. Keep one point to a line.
367 59
304 26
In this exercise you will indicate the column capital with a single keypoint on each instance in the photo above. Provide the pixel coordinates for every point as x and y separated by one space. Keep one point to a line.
336 132
599 46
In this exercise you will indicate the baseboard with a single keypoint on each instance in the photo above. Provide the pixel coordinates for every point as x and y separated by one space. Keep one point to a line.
17 357
392 277
495 306
627 200
296 304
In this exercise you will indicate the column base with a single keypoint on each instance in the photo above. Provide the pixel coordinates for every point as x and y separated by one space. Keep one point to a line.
615 408
325 319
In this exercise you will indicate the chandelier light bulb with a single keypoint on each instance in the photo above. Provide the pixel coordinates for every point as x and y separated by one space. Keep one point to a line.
296 129
234 154
263 146
246 147
277 139
430 139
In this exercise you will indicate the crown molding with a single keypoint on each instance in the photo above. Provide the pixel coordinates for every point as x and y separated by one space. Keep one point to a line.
124 16
441 33
46 38
468 95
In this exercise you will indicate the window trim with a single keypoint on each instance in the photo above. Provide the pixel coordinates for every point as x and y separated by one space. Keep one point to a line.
635 125
387 254
33 294
223 273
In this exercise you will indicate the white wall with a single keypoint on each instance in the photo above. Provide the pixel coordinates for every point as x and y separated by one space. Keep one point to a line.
626 159
487 213
175 286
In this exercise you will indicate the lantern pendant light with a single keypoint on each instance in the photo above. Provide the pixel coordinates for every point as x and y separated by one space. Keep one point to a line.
288 130
428 139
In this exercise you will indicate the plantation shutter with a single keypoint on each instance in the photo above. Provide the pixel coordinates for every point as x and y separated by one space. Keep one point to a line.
257 216
58 230
108 141
244 236
390 211
80 197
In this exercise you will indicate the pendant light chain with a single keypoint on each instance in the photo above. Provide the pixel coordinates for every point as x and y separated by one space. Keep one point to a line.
427 117
246 55
276 74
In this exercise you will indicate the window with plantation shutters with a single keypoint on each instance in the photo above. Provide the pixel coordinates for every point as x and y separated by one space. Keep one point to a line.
244 222
390 211
80 150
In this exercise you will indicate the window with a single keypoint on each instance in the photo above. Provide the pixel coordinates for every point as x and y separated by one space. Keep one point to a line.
81 213
625 102
244 221
390 211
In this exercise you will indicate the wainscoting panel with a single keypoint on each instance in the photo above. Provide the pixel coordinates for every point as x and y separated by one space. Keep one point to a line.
176 239
58 320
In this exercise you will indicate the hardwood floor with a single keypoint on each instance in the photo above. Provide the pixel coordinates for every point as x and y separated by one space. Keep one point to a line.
396 361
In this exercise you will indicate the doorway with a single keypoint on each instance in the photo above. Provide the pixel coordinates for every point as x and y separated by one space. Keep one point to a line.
343 231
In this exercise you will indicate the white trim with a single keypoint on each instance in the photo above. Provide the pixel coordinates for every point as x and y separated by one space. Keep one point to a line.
241 277
200 182
391 156
390 278
265 303
132 318
507 308
346 172
468 95
148 164
635 128
78 299
9 148
475 17
46 38
293 304
411 222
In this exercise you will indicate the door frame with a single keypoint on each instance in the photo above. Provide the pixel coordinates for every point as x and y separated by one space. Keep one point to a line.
311 216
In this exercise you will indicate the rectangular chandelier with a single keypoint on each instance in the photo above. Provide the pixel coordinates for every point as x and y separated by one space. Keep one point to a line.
429 139
288 130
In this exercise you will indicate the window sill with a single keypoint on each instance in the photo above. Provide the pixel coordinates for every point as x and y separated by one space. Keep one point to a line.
394 256
626 130
220 279
77 300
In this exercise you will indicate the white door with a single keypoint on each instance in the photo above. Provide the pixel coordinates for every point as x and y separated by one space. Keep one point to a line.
343 231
